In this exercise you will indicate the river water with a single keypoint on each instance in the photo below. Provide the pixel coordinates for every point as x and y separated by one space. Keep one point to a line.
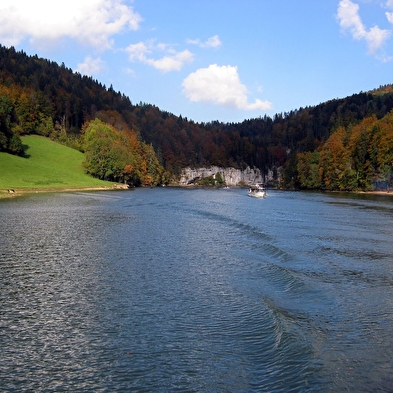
206 290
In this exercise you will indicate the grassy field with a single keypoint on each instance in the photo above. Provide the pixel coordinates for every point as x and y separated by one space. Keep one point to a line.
47 166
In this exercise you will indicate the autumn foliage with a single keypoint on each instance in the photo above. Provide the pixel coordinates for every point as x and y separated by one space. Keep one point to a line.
119 156
342 144
353 158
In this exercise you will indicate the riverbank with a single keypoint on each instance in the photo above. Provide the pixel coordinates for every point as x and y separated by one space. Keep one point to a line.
374 192
47 167
11 193
116 187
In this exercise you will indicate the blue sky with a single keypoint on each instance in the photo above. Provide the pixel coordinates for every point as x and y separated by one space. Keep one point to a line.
206 60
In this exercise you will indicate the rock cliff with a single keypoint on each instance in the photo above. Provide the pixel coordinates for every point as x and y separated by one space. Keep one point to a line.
231 176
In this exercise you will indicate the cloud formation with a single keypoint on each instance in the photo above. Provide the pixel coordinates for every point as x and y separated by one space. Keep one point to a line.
348 16
91 66
389 15
171 61
212 42
43 22
220 85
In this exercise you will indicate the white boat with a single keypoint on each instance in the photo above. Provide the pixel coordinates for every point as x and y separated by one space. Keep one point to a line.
257 190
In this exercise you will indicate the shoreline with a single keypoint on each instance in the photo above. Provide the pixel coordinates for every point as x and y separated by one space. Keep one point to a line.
12 193
4 193
373 192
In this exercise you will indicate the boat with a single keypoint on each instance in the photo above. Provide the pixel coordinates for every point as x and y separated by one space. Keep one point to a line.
257 190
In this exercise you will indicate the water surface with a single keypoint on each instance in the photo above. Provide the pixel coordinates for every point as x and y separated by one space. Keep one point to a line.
177 290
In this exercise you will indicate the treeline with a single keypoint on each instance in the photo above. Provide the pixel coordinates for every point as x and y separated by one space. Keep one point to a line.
266 143
39 96
353 158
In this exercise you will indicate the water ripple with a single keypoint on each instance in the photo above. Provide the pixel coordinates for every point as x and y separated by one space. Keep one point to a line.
190 291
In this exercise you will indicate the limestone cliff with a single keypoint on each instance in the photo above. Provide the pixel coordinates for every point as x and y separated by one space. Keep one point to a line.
231 176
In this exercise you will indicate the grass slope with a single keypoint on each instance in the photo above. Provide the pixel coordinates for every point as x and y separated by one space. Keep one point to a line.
47 166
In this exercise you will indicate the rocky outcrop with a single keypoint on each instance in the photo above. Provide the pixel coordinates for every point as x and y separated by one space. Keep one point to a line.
120 186
231 176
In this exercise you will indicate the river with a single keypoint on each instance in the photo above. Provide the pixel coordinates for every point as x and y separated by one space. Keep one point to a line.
202 290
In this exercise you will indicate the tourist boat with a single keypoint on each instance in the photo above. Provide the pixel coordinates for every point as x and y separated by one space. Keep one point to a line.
257 190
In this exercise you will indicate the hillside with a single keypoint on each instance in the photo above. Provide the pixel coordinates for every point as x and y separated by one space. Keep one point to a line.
47 166
38 96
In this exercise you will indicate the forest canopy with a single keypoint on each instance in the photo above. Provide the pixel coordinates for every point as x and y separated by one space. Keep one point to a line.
342 144
353 158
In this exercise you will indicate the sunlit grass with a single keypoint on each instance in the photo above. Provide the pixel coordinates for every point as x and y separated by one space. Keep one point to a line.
47 166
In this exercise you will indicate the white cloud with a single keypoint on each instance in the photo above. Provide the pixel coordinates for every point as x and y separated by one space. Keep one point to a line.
130 72
138 51
212 42
174 62
171 61
91 66
389 15
91 22
348 15
220 85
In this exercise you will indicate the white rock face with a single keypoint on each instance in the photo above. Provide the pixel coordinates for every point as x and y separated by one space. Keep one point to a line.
231 176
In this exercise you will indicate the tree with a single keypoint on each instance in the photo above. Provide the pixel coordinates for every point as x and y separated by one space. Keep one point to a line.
291 172
308 170
5 123
335 164
382 148
219 180
106 153
8 140
360 146
118 156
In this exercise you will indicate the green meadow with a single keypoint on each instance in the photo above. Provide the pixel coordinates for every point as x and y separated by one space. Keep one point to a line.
47 165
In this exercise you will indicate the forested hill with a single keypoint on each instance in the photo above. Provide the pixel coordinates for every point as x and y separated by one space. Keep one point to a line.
39 96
